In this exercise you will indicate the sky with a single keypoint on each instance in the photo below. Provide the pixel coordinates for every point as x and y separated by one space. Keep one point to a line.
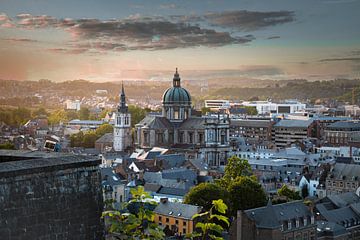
113 40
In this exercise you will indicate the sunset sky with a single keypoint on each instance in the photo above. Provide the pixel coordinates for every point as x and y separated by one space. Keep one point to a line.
112 40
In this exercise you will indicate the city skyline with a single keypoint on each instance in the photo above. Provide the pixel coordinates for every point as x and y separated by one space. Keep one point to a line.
120 40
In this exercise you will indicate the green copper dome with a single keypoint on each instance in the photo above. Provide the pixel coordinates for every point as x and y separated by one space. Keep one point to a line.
176 94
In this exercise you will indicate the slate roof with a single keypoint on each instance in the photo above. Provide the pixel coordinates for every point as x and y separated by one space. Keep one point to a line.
273 216
177 210
345 125
110 178
106 138
173 191
156 122
342 170
193 123
344 199
340 216
172 160
152 187
291 123
325 228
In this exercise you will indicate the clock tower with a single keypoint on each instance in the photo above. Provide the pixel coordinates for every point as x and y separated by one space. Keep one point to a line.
122 128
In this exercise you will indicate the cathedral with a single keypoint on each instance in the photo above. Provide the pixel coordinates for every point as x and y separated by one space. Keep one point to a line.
176 128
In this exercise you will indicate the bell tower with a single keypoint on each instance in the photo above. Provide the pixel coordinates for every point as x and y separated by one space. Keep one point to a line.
122 128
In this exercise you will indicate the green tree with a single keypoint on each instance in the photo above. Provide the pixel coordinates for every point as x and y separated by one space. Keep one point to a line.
246 193
57 116
7 145
40 112
103 129
235 167
208 226
84 113
137 114
204 193
138 225
89 139
251 110
76 140
288 193
21 115
205 110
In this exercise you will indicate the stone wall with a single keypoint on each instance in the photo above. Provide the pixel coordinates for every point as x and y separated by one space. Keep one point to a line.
51 198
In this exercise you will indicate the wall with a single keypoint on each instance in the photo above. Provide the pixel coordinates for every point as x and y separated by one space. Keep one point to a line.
51 198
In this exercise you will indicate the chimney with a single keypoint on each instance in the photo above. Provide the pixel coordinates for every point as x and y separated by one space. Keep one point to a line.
163 200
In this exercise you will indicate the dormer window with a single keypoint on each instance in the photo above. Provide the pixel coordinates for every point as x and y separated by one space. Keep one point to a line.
297 223
305 221
289 225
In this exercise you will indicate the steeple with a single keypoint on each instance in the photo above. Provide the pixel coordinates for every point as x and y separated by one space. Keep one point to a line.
123 108
176 79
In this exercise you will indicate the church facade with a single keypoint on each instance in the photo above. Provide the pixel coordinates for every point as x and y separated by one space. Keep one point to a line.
177 128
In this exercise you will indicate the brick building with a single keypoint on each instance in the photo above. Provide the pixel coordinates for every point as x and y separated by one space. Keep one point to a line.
342 133
343 178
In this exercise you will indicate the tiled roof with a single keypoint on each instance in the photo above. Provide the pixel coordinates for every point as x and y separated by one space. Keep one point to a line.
345 125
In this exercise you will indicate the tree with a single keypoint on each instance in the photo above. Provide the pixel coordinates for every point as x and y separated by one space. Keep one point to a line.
89 140
305 190
57 116
137 114
103 129
208 226
84 113
204 193
7 145
76 140
246 193
205 110
235 167
288 193
138 225
40 112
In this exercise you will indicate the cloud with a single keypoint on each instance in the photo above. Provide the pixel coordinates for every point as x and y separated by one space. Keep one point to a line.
146 34
5 21
272 37
24 40
168 6
155 32
249 20
355 59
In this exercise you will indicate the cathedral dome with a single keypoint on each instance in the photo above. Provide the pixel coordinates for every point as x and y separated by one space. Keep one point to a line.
176 94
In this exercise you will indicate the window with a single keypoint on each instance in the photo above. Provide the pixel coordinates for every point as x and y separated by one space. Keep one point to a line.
160 218
167 220
184 223
176 222
184 230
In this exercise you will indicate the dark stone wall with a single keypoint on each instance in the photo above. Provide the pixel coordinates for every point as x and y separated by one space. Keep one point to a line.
51 199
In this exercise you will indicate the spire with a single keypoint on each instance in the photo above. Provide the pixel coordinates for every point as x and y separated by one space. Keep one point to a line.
176 79
122 107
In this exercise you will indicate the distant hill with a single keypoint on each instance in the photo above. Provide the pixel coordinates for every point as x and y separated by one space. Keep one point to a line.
336 89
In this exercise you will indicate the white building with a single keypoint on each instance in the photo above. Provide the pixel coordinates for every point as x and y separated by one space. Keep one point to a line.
266 107
72 105
217 104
